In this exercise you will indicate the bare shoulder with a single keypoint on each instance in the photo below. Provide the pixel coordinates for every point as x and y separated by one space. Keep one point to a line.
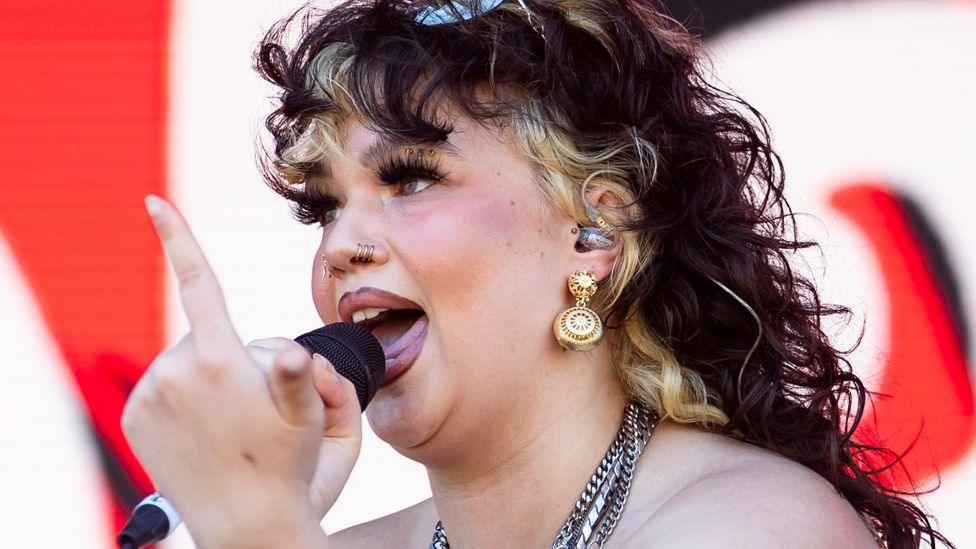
409 527
732 495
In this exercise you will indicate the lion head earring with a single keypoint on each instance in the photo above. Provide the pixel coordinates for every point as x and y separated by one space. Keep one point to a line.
579 328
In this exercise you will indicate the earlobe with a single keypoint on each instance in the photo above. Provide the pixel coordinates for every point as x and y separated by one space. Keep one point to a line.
598 262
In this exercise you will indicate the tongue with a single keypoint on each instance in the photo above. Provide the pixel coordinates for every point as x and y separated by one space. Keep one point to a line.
395 332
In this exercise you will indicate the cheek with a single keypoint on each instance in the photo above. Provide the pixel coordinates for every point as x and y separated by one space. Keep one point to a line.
323 292
481 264
458 250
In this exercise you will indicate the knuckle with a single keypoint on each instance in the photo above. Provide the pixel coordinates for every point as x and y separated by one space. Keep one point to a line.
191 274
168 379
271 342
212 362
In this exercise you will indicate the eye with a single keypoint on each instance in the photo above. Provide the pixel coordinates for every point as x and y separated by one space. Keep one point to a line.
328 216
411 174
410 186
408 176
310 208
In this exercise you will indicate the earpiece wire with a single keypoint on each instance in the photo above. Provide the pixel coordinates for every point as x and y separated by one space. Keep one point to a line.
755 344
607 231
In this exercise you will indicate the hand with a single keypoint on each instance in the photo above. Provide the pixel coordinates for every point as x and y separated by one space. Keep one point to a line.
237 444
343 434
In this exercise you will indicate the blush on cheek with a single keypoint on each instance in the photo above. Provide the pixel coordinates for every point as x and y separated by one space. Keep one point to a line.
463 259
470 237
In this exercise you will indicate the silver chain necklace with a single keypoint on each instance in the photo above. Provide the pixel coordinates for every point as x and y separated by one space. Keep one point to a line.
599 507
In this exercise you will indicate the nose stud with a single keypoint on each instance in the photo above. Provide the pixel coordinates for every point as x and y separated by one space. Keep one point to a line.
325 268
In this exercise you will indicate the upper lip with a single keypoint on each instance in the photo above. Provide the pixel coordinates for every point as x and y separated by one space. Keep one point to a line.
369 297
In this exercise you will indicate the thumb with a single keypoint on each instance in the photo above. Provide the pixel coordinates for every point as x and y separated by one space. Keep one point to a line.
293 388
343 414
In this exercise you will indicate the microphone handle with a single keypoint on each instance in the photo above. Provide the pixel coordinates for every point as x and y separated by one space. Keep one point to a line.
152 520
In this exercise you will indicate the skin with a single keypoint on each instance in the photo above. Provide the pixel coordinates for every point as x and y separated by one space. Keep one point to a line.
213 420
488 261
253 443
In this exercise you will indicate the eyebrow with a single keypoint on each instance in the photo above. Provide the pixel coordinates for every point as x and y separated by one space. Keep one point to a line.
384 147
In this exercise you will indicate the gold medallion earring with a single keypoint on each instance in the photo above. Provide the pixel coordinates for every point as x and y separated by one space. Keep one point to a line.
579 328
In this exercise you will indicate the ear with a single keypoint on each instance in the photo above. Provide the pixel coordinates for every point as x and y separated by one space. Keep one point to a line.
599 262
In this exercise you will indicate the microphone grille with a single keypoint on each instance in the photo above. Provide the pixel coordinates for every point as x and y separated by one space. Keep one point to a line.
356 354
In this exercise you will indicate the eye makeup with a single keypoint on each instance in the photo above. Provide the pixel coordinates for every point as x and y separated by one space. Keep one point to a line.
394 166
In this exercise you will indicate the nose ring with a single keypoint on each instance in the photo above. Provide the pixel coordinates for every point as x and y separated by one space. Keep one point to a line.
364 253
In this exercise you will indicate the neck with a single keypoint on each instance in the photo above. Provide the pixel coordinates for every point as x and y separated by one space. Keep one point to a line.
517 488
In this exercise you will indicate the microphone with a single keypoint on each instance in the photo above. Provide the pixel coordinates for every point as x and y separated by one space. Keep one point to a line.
357 356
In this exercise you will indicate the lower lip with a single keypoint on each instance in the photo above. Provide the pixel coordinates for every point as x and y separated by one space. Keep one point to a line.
406 357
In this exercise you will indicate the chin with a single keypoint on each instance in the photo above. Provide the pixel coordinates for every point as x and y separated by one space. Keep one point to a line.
405 428
409 410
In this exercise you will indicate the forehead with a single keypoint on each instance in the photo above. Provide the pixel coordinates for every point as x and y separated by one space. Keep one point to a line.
463 137
467 141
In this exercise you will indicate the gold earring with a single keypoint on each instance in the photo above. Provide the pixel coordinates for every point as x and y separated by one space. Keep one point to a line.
325 267
579 328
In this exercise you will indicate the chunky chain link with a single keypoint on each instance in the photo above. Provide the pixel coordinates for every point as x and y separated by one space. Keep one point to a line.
609 484
597 480
638 430
440 540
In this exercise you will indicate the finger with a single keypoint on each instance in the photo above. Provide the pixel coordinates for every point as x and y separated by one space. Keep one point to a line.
343 413
274 343
292 387
263 351
342 434
262 357
203 301
329 383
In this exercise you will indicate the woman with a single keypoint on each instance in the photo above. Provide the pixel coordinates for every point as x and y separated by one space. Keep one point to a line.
574 252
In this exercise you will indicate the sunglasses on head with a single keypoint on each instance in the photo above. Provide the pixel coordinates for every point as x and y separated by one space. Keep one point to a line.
453 12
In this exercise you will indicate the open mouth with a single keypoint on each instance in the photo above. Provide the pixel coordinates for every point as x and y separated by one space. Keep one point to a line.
401 332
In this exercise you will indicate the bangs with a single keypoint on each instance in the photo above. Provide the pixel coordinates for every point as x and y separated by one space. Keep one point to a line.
374 62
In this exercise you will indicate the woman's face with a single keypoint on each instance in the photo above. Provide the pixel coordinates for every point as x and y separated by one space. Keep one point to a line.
479 251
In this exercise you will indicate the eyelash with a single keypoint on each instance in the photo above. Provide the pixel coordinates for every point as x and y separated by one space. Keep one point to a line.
310 207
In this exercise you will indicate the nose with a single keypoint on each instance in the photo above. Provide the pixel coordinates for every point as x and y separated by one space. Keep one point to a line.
352 242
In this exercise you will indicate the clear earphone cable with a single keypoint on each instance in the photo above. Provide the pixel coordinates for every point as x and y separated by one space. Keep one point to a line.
755 344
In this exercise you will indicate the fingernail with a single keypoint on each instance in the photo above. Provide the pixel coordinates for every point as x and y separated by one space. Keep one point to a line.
332 370
155 207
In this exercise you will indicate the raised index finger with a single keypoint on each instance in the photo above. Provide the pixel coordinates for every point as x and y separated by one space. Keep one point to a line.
203 300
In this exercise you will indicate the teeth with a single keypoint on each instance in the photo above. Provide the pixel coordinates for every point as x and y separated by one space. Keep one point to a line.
366 314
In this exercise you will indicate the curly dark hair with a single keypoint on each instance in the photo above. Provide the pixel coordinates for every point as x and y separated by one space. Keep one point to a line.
614 93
